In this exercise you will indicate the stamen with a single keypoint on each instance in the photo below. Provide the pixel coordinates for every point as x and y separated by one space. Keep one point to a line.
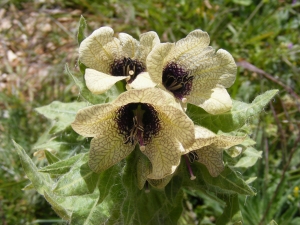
177 80
193 156
138 123
127 67
193 177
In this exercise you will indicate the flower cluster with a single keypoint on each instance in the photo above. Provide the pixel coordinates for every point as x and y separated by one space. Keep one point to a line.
161 79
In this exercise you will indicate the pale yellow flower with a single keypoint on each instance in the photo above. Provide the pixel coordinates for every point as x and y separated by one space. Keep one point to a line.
144 168
148 117
110 59
203 137
210 153
193 72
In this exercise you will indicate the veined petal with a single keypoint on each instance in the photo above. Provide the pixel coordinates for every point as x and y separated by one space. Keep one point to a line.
214 101
130 46
224 141
178 125
160 183
164 152
144 169
156 60
99 50
193 72
203 137
94 120
147 42
143 80
188 50
98 82
153 96
214 68
107 150
212 157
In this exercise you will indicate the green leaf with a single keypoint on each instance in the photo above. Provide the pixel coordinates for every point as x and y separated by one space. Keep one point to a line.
249 158
82 196
50 157
63 145
273 222
63 113
243 2
63 212
63 166
82 209
138 207
228 182
231 214
79 180
81 30
234 119
41 182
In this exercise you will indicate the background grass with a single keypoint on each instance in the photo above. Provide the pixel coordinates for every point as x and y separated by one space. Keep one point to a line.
38 38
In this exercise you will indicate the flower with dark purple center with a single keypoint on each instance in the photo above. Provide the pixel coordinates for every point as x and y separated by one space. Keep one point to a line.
176 80
208 149
109 59
127 67
193 72
138 122
149 118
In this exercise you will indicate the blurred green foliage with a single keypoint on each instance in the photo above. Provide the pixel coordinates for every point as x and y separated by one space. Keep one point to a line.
262 33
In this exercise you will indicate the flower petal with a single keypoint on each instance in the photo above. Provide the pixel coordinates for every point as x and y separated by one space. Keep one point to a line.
147 42
188 51
156 60
153 96
130 46
212 158
99 50
164 152
214 68
224 141
107 150
160 183
203 137
94 120
214 101
98 82
143 80
179 126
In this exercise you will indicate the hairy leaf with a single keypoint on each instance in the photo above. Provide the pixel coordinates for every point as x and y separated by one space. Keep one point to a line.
62 113
234 119
231 214
249 157
81 29
41 182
